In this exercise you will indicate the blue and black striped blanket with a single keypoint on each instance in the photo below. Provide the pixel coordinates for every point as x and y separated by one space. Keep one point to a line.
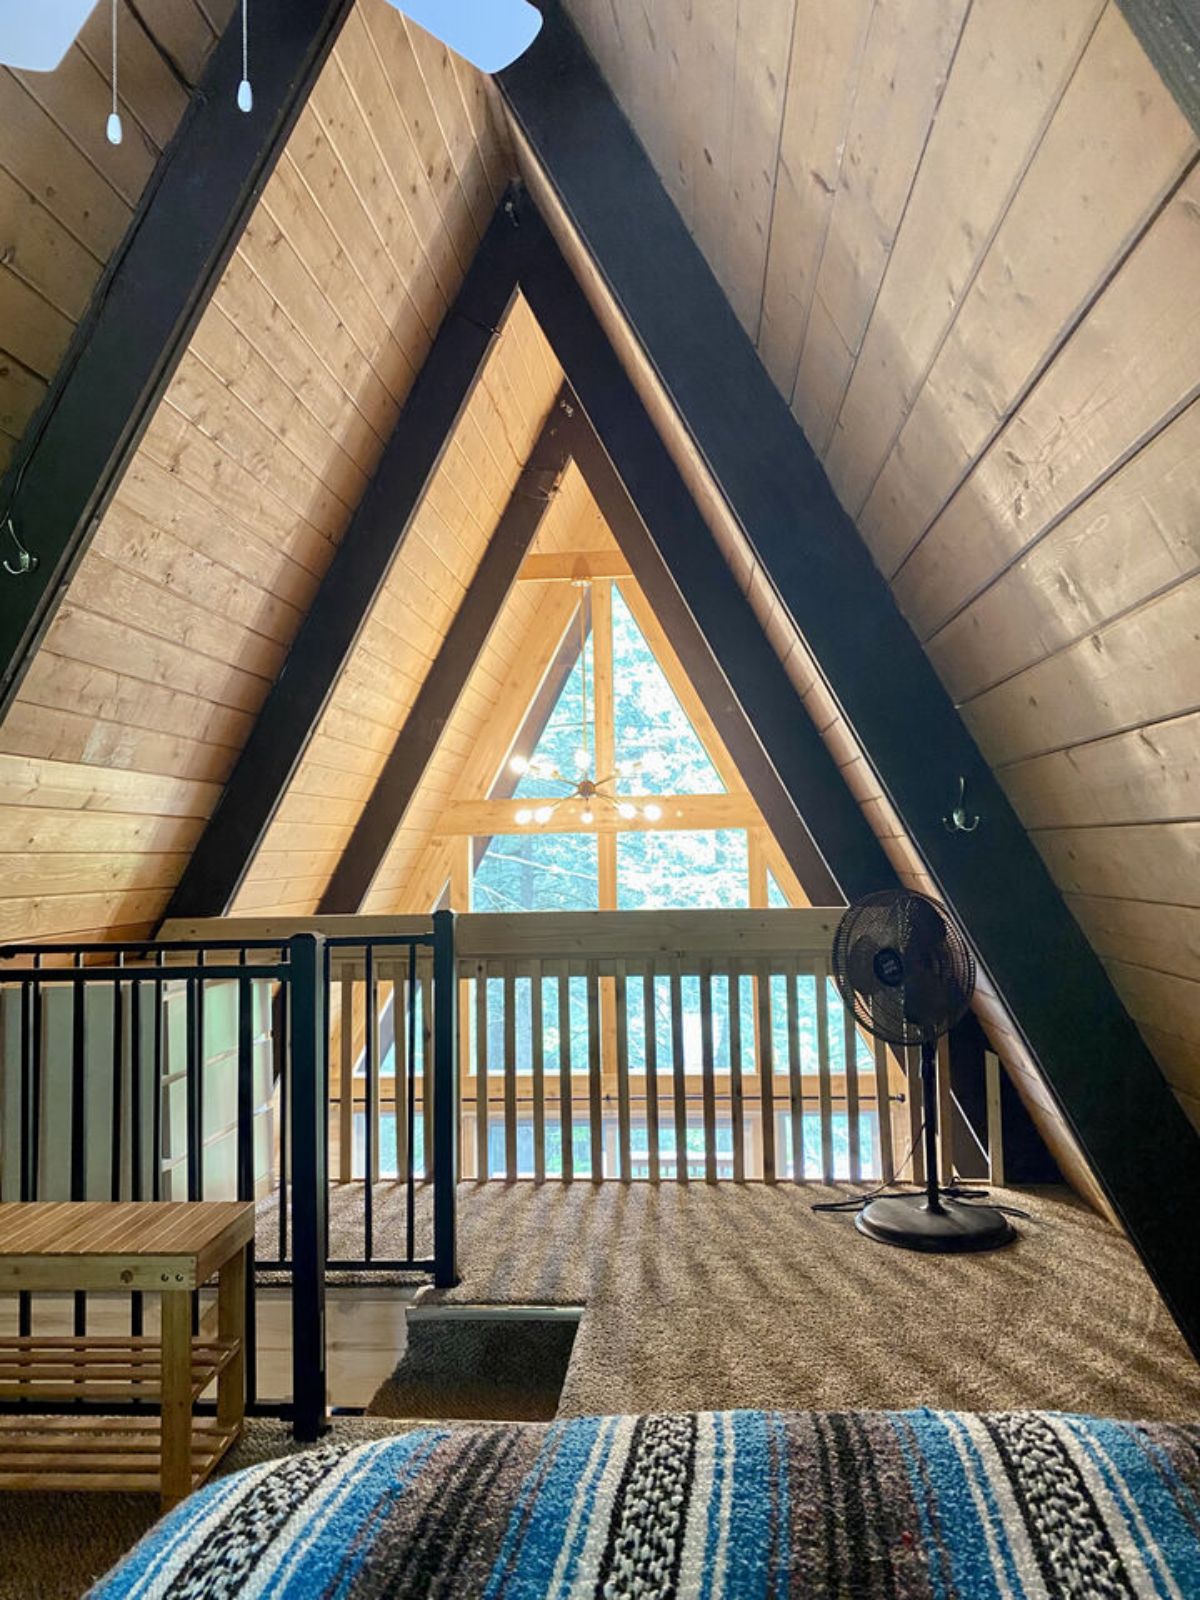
749 1505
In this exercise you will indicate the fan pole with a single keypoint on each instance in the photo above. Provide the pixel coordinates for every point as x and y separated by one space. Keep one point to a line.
929 1108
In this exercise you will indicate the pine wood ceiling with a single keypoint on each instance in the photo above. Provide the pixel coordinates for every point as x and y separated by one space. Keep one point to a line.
965 239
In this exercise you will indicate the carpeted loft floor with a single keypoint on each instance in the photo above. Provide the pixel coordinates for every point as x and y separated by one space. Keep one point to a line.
705 1298
700 1298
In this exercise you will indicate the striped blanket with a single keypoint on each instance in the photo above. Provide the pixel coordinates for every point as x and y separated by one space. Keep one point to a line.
917 1505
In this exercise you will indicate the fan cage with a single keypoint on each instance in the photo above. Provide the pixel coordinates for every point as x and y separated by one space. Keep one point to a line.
938 968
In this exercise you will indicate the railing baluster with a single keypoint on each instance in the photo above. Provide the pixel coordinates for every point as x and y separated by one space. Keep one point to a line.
245 1160
765 1044
443 1063
736 1109
621 1001
566 1110
510 1072
650 1008
371 1122
708 1070
678 1073
410 1158
310 1117
824 1079
346 1079
29 998
995 1118
156 1104
795 1070
883 1112
595 1082
402 1065
116 1096
481 1073
428 1075
945 1105
284 1054
78 1124
850 1048
537 1066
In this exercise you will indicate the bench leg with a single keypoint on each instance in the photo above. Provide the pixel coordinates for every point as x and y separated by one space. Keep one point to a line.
231 1324
176 1397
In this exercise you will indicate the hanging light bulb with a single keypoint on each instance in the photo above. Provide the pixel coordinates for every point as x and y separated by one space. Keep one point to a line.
627 811
524 817
245 94
113 131
543 813
519 765
652 812
587 815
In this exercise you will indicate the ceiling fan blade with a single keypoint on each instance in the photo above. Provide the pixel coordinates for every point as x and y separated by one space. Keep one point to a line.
34 37
491 34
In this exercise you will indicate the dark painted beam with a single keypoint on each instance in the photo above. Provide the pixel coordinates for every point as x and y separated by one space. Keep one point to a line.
377 530
671 552
448 676
142 314
1169 31
1141 1147
539 713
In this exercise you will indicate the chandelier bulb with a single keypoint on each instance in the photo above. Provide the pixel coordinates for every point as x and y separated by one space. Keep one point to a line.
652 812
627 811
524 817
543 813
519 765
587 816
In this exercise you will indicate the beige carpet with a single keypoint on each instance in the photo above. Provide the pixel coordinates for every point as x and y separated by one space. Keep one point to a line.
704 1298
698 1298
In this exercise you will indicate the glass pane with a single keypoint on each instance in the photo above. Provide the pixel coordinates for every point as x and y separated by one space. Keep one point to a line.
567 730
660 871
776 899
651 727
538 872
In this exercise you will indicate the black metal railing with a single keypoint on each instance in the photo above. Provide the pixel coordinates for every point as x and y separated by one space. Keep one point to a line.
176 1070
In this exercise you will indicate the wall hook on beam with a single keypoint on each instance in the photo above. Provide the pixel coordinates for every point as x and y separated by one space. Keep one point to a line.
960 820
26 560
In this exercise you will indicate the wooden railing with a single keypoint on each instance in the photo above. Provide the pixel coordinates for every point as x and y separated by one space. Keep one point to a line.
701 1045
668 1046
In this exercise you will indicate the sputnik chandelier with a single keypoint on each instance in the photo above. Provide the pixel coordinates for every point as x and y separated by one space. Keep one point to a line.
596 796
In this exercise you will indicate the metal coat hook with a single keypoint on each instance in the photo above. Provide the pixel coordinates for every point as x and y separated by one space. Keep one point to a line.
959 821
26 560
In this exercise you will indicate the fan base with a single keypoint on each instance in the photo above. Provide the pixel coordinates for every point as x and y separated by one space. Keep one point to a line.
958 1227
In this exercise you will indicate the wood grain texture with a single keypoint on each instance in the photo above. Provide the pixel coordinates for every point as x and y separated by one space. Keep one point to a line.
980 296
179 618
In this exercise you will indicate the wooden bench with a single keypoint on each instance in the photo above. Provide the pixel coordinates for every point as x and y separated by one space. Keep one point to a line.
163 1248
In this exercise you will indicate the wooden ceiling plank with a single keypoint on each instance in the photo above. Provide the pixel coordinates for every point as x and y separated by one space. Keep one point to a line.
447 679
355 578
1100 1073
130 342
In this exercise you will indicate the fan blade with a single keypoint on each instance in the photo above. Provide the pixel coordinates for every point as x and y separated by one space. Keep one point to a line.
34 37
490 34
860 965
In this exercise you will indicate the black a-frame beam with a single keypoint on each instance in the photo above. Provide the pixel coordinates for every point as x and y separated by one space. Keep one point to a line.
1140 1145
149 300
447 678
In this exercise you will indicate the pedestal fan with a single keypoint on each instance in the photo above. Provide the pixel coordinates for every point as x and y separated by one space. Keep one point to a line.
903 967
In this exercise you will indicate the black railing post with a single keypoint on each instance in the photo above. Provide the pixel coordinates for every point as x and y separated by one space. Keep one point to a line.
310 1191
445 1102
